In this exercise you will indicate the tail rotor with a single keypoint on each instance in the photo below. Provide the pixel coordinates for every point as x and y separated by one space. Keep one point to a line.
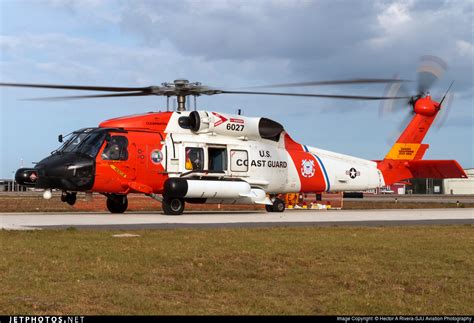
429 71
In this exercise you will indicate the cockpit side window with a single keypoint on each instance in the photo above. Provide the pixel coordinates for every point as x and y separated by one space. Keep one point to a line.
91 145
116 148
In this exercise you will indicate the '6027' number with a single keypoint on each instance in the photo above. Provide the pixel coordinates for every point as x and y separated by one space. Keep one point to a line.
235 127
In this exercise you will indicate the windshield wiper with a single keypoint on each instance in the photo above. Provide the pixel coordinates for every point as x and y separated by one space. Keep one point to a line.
64 145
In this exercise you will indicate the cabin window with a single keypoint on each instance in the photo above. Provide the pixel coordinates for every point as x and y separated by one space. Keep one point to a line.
217 159
194 158
116 148
239 160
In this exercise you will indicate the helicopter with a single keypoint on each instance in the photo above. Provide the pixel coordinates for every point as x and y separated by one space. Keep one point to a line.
183 156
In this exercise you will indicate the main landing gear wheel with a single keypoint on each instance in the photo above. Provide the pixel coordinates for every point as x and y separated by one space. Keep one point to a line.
173 205
69 198
117 203
278 206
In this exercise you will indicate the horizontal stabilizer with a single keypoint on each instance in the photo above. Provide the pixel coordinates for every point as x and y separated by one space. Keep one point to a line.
436 169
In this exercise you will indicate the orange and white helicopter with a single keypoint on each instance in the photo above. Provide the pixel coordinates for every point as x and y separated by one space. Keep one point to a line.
181 156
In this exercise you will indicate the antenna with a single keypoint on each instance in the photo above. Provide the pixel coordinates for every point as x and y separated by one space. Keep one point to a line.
444 97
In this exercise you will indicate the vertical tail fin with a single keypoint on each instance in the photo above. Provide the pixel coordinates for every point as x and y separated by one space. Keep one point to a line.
403 161
409 146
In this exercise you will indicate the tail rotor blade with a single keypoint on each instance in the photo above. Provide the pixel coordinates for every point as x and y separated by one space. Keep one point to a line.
430 70
395 134
405 121
445 108
447 91
390 106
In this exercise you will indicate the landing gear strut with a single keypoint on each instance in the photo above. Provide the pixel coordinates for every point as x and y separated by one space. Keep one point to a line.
69 197
117 203
278 206
173 205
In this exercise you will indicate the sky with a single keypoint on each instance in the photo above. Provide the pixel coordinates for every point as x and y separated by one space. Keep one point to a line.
234 44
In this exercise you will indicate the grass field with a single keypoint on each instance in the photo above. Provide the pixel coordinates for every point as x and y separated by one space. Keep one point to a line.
304 270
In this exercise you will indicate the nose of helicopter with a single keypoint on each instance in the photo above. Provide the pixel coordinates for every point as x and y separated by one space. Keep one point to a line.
68 172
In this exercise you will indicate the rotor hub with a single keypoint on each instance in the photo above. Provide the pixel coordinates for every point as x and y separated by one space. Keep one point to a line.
426 106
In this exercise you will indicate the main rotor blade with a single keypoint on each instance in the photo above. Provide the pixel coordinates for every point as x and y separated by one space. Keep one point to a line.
76 97
78 87
329 96
337 82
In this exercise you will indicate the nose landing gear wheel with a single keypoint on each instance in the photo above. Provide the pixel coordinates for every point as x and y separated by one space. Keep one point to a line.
117 203
173 205
278 206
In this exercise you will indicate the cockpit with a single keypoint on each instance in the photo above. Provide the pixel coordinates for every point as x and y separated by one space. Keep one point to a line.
72 166
88 142
85 141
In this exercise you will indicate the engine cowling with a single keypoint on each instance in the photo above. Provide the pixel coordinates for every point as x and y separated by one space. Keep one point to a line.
199 121
234 125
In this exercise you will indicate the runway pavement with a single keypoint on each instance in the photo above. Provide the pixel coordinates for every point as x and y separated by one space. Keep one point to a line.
129 221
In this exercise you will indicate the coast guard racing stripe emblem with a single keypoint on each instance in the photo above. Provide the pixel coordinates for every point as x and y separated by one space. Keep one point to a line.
307 168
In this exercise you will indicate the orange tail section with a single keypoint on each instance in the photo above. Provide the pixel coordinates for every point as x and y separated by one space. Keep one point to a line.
403 161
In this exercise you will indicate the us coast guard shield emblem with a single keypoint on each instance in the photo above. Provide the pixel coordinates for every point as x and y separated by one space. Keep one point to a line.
307 168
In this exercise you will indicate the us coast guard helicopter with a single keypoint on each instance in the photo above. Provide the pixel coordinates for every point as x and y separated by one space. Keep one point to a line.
181 156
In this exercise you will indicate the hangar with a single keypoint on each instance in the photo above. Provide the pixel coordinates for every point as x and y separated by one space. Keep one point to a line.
447 186
460 185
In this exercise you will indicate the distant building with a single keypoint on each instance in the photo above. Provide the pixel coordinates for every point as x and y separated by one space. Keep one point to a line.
424 186
7 185
460 185
431 186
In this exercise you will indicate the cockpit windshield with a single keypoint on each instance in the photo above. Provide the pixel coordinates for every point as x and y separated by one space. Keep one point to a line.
86 141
